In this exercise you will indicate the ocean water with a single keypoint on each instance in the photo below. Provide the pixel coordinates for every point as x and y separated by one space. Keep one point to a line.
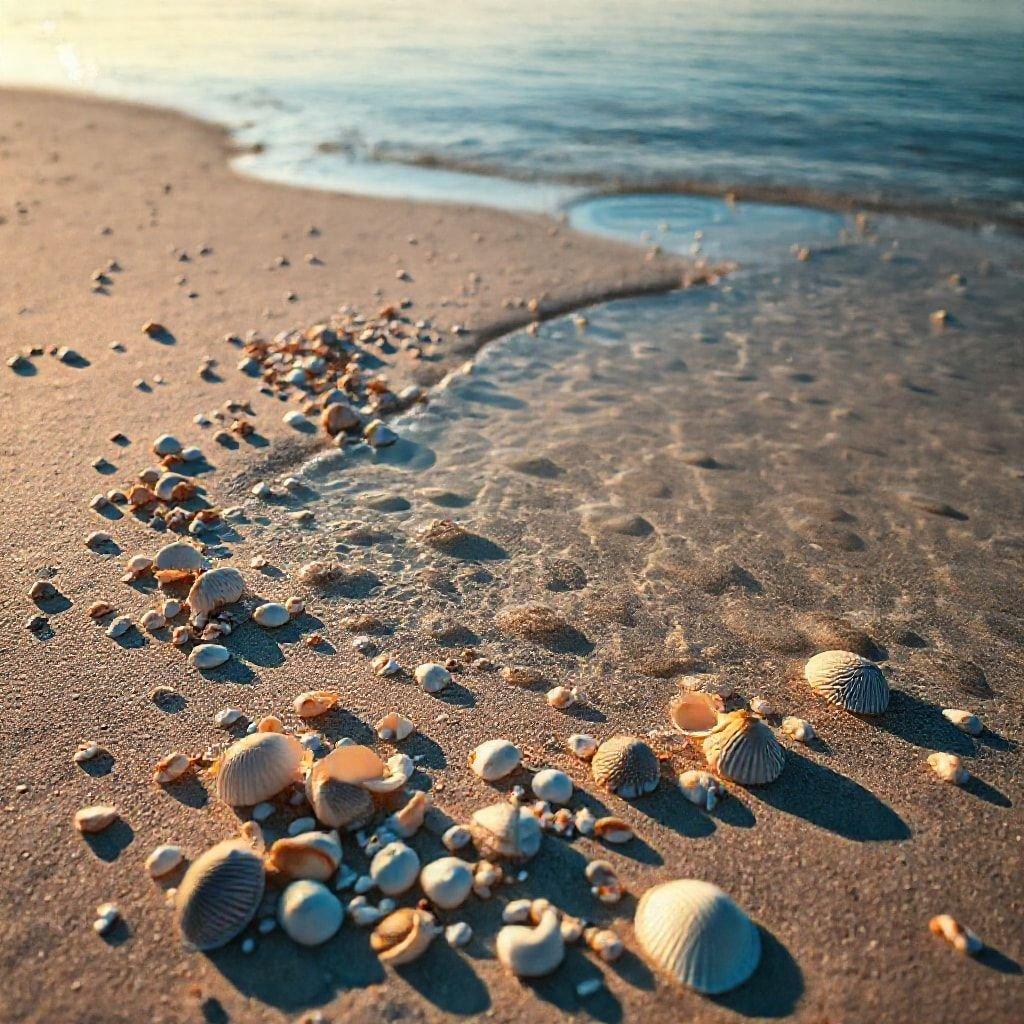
913 101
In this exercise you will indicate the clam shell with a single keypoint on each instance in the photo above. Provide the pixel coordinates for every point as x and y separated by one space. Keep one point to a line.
215 589
695 713
503 830
494 759
397 772
552 785
446 882
206 656
271 615
163 860
258 767
849 681
173 487
627 766
309 912
744 749
220 894
315 855
403 936
395 868
338 804
532 952
694 932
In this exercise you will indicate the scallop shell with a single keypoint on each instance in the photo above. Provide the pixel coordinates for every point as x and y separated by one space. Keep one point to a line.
257 767
532 952
744 749
503 830
446 882
339 804
220 894
849 681
215 589
309 912
315 855
395 868
494 759
695 713
694 932
627 766
403 936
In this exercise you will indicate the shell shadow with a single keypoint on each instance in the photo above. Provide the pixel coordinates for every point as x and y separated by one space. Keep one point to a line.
775 987
109 844
921 723
54 605
987 792
189 791
831 801
675 812
994 960
425 751
98 766
559 989
447 980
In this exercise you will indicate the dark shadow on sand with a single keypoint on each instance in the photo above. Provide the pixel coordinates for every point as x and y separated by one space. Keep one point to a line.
921 723
775 987
109 844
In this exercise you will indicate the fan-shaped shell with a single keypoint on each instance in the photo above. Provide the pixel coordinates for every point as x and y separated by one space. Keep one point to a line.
395 868
532 952
503 830
694 932
743 748
403 936
215 589
446 882
258 767
695 713
178 561
309 912
849 681
220 894
627 766
338 804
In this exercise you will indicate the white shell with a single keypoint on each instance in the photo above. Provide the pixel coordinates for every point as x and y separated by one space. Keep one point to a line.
395 727
532 952
215 589
695 712
446 882
494 759
271 615
395 868
964 721
503 830
849 681
258 767
179 559
166 444
701 788
744 749
582 745
698 935
627 766
163 860
552 785
949 768
90 820
432 677
309 912
315 855
799 729
206 656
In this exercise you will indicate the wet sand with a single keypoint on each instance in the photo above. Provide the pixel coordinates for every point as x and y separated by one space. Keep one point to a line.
735 570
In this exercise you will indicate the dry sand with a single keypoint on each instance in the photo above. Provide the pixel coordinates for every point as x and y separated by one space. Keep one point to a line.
842 866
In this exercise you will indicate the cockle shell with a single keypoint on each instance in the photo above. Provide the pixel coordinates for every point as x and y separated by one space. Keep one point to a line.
849 681
257 767
744 749
395 868
503 830
315 855
446 882
494 759
694 932
90 820
220 894
215 589
271 615
314 703
552 785
701 788
403 936
206 656
695 713
532 952
627 766
336 786
309 912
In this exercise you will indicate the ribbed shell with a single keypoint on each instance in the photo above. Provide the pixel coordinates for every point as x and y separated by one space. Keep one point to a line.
220 894
744 749
849 681
258 767
215 589
627 766
504 831
339 804
698 935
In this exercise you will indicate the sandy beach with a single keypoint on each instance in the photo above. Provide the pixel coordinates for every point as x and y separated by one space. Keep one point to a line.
841 863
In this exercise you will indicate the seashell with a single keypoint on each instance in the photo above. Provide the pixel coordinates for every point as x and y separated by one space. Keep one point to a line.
309 912
174 487
335 786
604 882
761 707
613 830
152 620
407 821
485 876
394 727
962 939
220 894
314 703
397 772
516 912
257 767
627 766
166 444
215 589
582 745
139 564
561 697
432 677
458 934
385 665
494 759
949 768
552 785
964 721
205 656
339 416
270 723
90 820
605 943
694 932
119 626
532 952
800 730
403 936
271 615
446 882
695 712
163 860
744 749
139 495
315 855
584 821
395 868
456 837
701 788
171 768
849 681
503 830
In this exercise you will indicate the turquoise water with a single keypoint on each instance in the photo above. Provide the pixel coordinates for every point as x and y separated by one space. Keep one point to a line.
915 100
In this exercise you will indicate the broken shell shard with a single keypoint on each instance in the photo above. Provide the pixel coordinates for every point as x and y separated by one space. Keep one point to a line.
613 830
407 821
215 589
744 749
800 730
205 656
848 681
695 712
532 952
90 820
504 831
315 855
336 786
494 759
220 894
446 882
701 788
627 766
694 932
395 868
271 615
949 768
171 768
403 936
309 912
582 745
257 768
314 703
